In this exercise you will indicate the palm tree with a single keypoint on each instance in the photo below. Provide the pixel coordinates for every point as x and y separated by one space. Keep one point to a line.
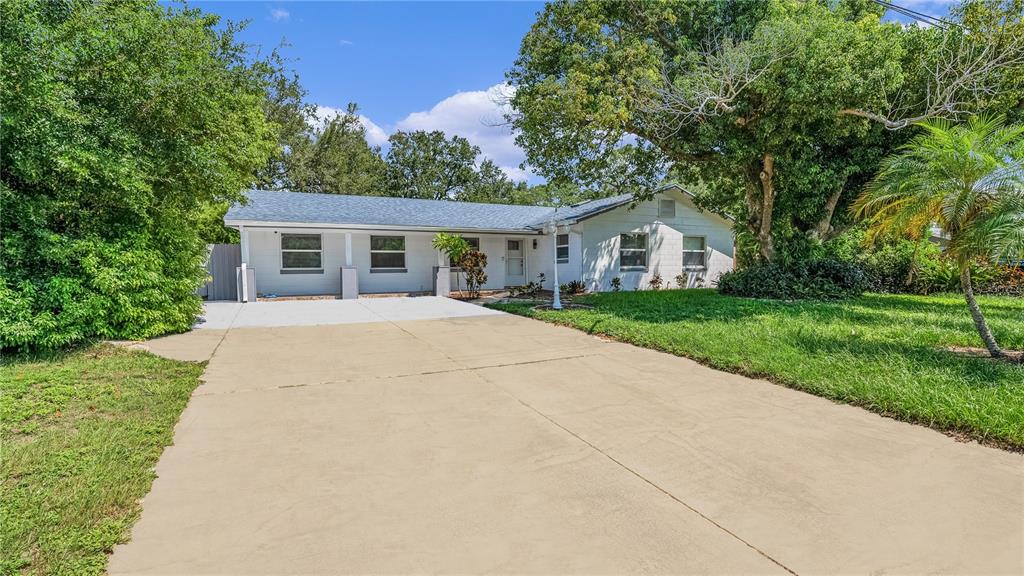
966 179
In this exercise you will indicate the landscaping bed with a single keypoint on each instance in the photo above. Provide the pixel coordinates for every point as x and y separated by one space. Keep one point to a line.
81 434
887 353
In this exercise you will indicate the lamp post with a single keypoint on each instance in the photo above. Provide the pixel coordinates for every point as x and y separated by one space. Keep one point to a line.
556 303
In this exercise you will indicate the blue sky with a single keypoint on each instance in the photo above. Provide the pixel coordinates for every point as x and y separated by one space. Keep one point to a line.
410 65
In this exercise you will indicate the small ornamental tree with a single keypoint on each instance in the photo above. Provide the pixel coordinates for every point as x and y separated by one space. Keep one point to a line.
474 265
968 180
453 246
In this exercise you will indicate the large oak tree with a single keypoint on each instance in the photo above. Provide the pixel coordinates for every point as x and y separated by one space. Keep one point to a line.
776 112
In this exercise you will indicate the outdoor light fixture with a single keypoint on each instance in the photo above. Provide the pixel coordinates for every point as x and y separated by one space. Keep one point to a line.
534 243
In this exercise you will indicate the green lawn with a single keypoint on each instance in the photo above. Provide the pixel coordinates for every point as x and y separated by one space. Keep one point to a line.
883 352
80 435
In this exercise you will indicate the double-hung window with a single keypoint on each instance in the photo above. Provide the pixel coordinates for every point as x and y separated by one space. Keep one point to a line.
474 244
387 254
632 252
302 253
694 253
562 247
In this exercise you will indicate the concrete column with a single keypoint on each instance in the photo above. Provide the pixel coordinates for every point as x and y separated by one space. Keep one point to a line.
349 273
442 280
245 274
244 235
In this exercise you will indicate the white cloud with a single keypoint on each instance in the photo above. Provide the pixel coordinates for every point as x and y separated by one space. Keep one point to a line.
375 135
477 116
279 15
343 42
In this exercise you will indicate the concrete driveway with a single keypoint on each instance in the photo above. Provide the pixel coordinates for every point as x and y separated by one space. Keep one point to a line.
493 443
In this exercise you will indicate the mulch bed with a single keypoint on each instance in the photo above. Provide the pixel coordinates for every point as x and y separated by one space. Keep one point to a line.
1012 356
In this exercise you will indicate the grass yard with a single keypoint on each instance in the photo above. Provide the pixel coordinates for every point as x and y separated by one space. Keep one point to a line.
80 435
882 352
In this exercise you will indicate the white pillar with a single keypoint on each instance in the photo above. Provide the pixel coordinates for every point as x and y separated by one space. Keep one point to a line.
349 275
244 234
244 273
556 303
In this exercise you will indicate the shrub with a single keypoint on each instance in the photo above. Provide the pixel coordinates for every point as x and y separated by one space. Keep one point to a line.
573 287
657 282
616 284
111 165
895 266
817 279
473 264
1008 282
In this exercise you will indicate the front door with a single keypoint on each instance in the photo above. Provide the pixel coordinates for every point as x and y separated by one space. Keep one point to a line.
515 265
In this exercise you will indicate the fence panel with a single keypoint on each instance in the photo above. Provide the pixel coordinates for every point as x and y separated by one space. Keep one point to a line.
224 259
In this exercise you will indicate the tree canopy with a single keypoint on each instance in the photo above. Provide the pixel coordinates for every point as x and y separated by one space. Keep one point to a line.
123 123
775 112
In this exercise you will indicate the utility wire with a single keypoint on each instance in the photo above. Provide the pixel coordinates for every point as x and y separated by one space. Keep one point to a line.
915 15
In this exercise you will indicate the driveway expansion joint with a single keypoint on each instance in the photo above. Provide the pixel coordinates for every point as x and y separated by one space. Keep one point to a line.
650 482
602 452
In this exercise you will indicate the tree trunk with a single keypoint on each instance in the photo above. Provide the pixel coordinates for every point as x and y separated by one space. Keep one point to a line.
979 321
823 229
764 233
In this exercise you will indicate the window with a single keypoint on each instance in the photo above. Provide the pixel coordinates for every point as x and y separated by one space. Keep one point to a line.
667 209
387 253
562 246
694 253
301 252
632 251
474 243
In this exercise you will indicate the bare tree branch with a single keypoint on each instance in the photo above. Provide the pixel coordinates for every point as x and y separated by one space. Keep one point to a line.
721 72
964 73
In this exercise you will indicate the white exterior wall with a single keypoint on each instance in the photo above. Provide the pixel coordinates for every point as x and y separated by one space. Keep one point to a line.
593 253
420 258
600 236
544 258
265 258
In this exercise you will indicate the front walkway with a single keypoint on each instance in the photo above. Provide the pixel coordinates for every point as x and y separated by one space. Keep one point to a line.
222 315
500 444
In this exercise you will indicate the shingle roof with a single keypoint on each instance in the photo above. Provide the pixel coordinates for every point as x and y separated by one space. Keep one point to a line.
308 208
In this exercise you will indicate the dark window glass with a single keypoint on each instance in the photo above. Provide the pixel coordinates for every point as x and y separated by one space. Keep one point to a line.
300 241
387 242
387 260
300 259
693 259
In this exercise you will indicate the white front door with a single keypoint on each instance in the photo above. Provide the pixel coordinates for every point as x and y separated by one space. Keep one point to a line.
515 265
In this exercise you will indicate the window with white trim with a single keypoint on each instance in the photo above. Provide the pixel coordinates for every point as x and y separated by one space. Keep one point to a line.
632 252
474 243
694 253
302 252
562 247
666 209
387 253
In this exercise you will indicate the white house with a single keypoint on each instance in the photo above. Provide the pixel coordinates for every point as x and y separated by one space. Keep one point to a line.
305 244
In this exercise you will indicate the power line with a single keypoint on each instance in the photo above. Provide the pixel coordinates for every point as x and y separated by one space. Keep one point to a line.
915 15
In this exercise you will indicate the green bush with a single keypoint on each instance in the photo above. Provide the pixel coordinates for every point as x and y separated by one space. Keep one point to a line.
108 167
825 279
